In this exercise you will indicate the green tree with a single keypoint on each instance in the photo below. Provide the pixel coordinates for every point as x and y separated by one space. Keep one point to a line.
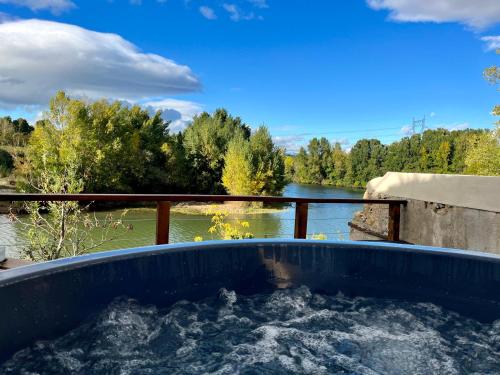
300 167
117 148
268 165
314 161
205 141
443 157
289 168
53 151
59 229
326 165
339 160
6 163
367 158
483 156
22 126
177 164
254 166
14 133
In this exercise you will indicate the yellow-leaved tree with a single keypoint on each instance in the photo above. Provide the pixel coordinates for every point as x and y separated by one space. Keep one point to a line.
222 228
483 154
237 174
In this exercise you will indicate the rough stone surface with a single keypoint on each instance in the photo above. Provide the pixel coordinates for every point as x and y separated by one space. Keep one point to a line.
433 223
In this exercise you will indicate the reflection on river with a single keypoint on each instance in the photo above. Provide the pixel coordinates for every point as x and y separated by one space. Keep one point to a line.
328 219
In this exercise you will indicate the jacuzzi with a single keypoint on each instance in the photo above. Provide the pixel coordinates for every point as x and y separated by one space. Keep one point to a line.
47 300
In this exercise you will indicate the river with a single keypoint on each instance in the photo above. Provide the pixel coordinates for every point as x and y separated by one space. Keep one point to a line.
328 219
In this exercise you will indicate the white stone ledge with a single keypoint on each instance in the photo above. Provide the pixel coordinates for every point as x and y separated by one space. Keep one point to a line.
477 192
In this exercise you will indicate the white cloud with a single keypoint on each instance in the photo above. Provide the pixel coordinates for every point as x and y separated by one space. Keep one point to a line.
341 141
208 13
44 57
492 42
456 126
407 130
179 112
55 6
432 114
291 143
474 13
235 14
233 11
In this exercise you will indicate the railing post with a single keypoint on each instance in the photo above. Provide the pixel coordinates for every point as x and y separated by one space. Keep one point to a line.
162 222
300 220
394 219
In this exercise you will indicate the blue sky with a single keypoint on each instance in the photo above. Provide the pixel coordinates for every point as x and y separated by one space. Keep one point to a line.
343 69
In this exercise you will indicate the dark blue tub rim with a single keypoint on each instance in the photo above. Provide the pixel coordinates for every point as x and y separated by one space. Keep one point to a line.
66 264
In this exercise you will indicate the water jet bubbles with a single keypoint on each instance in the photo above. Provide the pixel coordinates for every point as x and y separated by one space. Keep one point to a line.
227 297
290 331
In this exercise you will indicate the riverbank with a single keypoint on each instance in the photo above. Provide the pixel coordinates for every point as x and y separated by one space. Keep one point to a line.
197 209
333 185
230 208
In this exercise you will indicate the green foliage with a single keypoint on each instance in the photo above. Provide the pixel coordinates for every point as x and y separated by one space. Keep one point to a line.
339 166
178 169
254 166
434 151
314 165
366 158
205 142
14 132
483 154
289 168
119 148
268 165
114 148
483 157
492 75
300 167
6 163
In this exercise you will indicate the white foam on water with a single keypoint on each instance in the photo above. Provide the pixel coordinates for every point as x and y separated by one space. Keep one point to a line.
288 331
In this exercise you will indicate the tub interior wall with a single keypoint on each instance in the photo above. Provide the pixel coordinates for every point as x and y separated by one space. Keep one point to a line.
45 301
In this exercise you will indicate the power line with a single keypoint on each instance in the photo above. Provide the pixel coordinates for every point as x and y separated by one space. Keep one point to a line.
342 132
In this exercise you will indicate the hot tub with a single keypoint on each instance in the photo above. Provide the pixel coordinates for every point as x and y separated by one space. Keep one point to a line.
46 300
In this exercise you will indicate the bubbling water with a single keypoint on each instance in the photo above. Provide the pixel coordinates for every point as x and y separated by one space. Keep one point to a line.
287 331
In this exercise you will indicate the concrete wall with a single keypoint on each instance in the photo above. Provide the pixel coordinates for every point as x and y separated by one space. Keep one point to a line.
443 210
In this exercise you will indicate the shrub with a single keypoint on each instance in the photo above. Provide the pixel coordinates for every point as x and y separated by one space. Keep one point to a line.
6 163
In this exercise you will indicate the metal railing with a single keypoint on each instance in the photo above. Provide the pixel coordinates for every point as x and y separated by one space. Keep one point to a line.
164 203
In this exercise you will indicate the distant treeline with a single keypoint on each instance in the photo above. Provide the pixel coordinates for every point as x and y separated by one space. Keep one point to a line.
104 147
435 151
14 133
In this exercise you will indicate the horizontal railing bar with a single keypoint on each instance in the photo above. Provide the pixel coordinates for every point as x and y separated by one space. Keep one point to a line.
17 197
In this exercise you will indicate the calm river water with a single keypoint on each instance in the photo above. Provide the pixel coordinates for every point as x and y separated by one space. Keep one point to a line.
328 219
